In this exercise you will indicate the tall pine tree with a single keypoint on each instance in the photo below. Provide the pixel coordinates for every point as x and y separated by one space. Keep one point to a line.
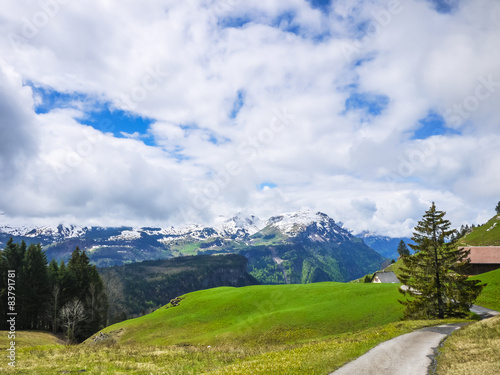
36 287
432 276
403 249
87 287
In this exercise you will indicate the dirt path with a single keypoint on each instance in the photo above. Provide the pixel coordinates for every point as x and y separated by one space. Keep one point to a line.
409 354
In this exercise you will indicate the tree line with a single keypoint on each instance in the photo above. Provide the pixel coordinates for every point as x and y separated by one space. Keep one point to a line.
66 298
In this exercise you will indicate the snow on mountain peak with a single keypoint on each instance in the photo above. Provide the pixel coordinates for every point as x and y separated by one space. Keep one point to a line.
251 224
60 231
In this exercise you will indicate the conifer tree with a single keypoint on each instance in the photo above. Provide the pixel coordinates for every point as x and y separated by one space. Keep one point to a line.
432 276
497 208
35 286
86 286
403 249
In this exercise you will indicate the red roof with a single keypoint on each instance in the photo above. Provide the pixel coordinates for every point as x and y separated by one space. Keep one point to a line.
484 254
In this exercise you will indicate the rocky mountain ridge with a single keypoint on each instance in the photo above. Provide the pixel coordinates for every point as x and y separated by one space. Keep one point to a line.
295 247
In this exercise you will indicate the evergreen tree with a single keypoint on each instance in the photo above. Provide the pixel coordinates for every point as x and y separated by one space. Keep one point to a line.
35 287
497 208
403 249
86 286
54 304
13 255
432 276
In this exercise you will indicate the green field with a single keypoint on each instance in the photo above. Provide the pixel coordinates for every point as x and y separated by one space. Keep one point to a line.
257 315
490 296
281 329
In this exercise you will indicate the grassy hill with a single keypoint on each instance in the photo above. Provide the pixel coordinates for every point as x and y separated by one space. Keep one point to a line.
258 315
273 330
485 235
490 296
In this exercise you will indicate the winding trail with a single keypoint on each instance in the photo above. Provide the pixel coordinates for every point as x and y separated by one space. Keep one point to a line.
409 354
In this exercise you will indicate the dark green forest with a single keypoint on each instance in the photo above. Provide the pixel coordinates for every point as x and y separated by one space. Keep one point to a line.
63 298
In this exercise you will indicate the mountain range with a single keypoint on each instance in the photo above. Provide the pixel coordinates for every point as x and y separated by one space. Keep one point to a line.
297 247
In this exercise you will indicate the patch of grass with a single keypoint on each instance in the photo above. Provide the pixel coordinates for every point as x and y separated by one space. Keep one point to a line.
490 296
474 349
314 357
26 339
266 315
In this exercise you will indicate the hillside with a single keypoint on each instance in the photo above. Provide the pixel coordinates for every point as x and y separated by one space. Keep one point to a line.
490 296
485 235
264 315
280 330
136 288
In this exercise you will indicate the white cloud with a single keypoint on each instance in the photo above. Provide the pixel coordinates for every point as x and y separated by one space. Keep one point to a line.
173 62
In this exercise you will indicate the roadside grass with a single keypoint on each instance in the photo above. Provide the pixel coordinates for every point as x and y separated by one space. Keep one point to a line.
490 296
265 315
474 349
312 357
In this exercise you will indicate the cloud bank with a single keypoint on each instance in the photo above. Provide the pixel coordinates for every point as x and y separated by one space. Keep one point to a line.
366 110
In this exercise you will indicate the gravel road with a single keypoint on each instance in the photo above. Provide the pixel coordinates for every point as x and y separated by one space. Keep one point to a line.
409 354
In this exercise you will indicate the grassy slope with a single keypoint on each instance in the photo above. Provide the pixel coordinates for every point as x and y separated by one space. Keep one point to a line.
490 297
278 330
25 339
485 235
259 315
474 349
317 357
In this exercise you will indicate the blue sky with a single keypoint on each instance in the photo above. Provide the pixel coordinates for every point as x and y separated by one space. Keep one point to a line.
212 108
100 116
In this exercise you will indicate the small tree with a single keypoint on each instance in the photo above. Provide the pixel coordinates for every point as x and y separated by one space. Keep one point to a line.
497 208
71 314
403 249
432 276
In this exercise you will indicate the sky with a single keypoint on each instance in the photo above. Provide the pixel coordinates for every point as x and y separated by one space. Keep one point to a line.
166 112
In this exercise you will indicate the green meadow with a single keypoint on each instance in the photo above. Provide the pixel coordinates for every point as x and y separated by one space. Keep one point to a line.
263 315
490 296
282 329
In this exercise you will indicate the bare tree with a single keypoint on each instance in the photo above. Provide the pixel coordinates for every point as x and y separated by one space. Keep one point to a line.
71 314
114 291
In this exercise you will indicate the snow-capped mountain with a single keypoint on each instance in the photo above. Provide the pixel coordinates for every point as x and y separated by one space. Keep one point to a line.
59 232
303 246
238 224
318 225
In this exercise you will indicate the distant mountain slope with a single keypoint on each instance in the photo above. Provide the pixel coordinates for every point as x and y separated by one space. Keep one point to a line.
306 247
485 235
385 246
299 247
136 288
